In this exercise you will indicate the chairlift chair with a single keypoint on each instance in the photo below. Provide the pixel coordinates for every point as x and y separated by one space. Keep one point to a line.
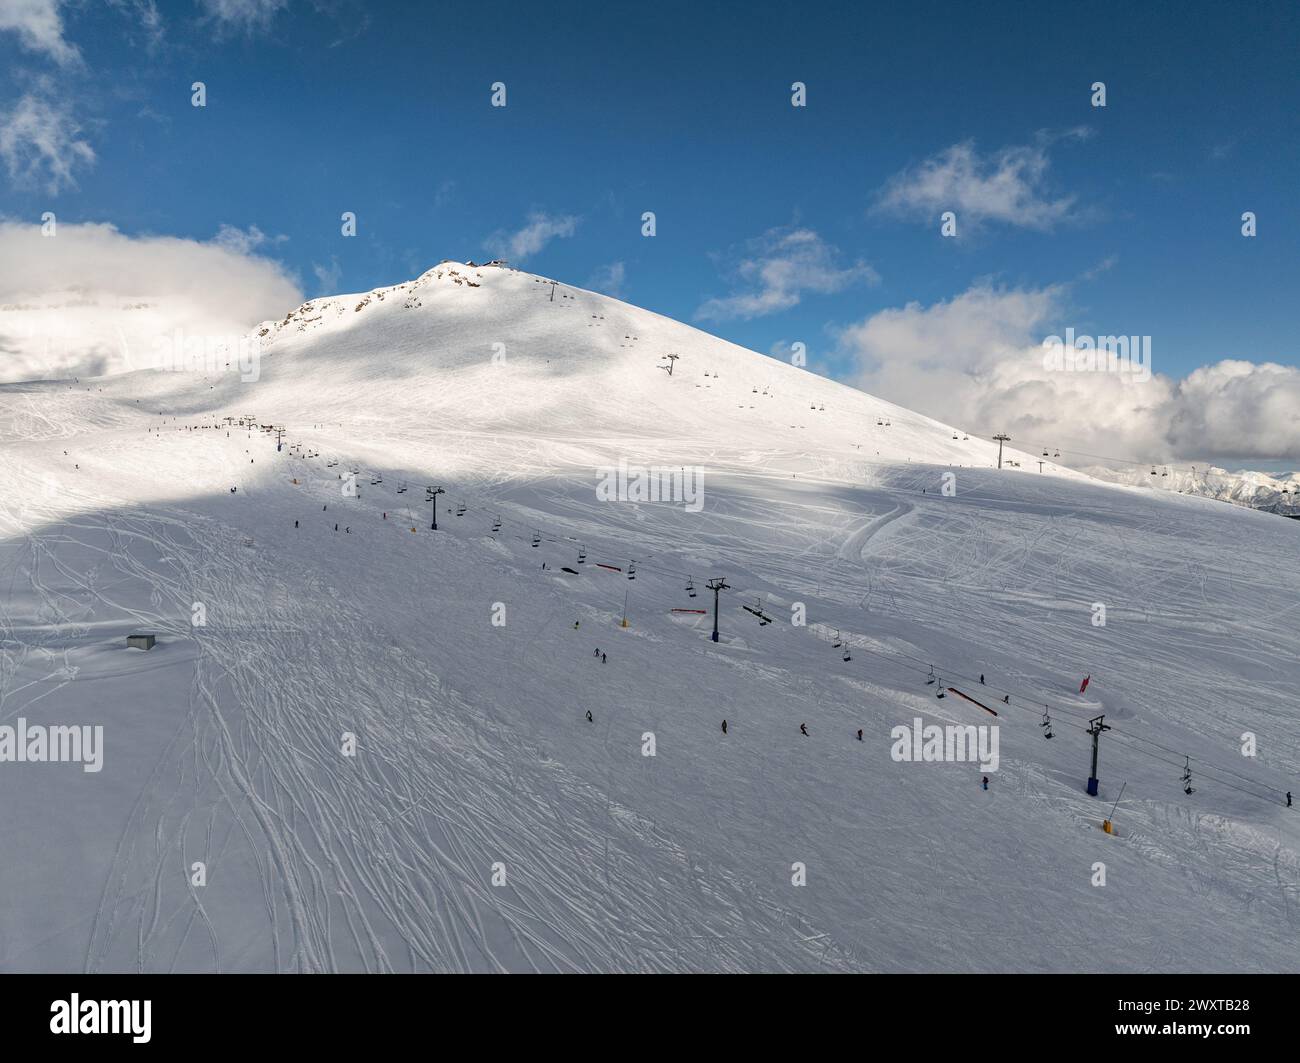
537 540
496 525
690 587
460 509
582 555
631 570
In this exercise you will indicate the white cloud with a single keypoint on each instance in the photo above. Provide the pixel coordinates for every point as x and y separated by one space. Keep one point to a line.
541 229
977 362
609 279
244 241
777 268
39 26
328 277
244 15
148 20
94 300
41 144
1005 186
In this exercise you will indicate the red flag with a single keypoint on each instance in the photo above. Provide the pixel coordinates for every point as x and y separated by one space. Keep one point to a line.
1084 685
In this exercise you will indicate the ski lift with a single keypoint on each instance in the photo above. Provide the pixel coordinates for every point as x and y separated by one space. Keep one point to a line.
755 390
940 693
460 509
954 435
376 480
1186 780
496 525
1058 454
838 641
1047 723
846 652
822 408
879 422
1045 454
931 679
964 436
582 555
631 570
537 540
888 424
1165 472
690 587
1153 470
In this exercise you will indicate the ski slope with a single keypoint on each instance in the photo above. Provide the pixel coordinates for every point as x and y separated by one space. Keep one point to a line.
474 758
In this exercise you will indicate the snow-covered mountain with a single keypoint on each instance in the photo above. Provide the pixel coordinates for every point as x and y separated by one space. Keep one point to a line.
1258 490
360 744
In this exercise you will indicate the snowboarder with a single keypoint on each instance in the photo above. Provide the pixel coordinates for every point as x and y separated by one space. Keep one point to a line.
803 728
589 719
724 731
859 734
1084 685
986 782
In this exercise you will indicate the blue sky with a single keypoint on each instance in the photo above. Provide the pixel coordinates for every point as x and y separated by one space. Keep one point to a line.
775 223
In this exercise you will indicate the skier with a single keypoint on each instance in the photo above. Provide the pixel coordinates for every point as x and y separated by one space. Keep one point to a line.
602 658
385 516
597 653
589 719
324 508
232 490
724 731
336 527
986 782
859 734
575 625
1288 799
1084 685
981 678
295 524
803 728
1006 699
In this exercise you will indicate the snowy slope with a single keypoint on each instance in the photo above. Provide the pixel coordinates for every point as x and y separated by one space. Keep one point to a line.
474 757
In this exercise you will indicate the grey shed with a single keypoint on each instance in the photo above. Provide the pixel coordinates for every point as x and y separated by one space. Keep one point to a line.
140 642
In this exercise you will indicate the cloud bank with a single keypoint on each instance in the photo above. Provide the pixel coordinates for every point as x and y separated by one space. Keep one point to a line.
92 300
977 362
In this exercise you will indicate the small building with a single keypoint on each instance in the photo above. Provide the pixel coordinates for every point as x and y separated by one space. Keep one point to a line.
140 642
